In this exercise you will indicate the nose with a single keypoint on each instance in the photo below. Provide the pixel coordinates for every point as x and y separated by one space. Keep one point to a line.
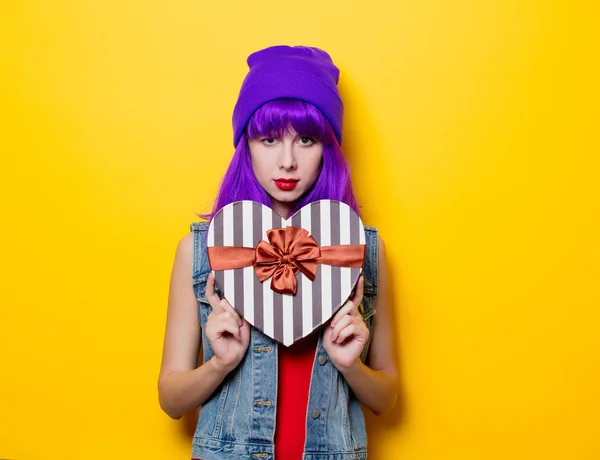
287 158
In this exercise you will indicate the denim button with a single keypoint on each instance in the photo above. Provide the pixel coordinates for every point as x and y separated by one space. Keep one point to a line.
263 349
262 403
322 360
316 413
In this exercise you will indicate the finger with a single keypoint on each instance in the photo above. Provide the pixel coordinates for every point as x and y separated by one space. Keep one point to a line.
342 323
345 310
216 320
347 332
212 297
228 308
359 291
245 332
226 322
218 328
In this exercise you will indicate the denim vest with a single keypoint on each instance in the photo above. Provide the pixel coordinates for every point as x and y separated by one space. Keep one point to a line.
238 420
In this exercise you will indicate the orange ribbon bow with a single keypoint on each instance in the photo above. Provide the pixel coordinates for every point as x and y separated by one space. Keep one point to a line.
290 250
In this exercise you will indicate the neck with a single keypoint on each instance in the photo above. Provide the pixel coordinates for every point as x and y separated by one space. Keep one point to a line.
283 209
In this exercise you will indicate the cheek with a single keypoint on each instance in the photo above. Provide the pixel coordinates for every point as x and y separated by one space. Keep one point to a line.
314 166
259 164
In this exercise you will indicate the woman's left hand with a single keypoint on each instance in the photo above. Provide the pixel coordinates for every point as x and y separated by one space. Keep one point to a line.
345 336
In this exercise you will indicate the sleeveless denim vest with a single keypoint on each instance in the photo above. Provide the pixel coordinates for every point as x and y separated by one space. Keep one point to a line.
238 420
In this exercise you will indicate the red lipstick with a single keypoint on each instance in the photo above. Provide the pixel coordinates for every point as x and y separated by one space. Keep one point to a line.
286 184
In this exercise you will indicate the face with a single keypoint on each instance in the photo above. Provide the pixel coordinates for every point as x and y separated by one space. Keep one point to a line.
286 167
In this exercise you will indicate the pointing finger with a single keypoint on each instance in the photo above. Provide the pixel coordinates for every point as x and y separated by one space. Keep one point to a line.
358 293
212 297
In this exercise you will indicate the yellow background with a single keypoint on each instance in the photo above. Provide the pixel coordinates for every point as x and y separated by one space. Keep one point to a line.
472 132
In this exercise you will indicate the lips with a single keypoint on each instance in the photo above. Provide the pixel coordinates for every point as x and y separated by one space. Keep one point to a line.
285 184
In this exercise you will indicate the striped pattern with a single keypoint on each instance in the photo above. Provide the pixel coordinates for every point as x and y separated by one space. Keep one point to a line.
287 318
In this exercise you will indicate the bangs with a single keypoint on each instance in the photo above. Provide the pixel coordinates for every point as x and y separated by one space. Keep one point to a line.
281 116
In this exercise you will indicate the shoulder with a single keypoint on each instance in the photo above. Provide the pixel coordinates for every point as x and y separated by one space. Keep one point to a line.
186 240
185 248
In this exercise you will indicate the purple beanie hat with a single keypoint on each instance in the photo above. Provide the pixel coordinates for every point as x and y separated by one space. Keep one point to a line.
296 72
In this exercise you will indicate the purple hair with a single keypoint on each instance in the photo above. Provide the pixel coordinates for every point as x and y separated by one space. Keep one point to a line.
275 118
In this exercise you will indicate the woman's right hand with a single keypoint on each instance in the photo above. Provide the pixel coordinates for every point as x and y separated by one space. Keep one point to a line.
228 334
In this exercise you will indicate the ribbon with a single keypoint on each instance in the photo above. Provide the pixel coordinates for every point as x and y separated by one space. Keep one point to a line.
290 250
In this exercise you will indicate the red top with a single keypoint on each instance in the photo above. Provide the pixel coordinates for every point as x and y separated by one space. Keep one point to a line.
293 383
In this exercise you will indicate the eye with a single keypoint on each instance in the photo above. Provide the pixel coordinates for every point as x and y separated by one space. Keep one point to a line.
305 140
269 141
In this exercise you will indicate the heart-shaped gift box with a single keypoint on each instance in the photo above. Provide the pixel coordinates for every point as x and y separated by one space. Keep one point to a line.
286 277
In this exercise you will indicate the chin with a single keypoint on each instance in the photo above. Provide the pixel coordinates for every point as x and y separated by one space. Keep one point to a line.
286 197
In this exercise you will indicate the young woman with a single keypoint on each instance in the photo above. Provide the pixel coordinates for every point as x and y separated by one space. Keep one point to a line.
259 399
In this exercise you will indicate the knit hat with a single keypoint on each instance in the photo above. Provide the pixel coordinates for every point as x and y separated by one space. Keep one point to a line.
296 72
